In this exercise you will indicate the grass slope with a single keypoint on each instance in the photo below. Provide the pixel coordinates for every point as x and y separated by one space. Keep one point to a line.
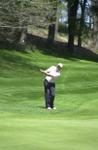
25 124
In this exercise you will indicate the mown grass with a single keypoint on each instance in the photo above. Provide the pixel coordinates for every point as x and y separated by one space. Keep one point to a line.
23 134
26 124
21 86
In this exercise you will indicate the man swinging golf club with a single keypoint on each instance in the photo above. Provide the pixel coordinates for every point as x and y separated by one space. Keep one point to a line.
49 84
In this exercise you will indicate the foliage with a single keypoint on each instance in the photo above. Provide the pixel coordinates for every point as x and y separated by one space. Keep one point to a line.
17 15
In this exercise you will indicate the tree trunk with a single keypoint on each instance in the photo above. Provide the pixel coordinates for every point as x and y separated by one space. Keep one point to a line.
57 21
95 33
52 26
23 36
82 20
72 12
51 33
95 25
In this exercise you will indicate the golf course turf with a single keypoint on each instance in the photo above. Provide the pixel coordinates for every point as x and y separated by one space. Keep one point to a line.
24 122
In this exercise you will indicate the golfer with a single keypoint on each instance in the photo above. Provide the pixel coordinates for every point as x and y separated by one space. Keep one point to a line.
49 84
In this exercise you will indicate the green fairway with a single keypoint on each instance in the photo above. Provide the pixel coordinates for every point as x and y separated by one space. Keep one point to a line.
24 122
23 134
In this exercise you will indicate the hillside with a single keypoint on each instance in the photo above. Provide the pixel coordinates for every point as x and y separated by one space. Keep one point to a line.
21 86
24 122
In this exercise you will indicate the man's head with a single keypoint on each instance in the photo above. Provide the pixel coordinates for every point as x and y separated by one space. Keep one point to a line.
60 66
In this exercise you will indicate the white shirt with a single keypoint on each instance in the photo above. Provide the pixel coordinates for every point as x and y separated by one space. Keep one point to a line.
54 71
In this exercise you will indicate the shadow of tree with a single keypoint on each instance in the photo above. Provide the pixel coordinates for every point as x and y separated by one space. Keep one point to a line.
60 49
11 61
57 49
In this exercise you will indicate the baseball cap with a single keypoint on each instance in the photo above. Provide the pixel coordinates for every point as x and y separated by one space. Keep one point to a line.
60 65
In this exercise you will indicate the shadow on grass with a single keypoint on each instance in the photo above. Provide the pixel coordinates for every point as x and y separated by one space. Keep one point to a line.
57 49
41 107
60 49
9 60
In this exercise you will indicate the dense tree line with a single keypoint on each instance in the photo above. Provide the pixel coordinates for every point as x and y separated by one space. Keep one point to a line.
88 18
17 15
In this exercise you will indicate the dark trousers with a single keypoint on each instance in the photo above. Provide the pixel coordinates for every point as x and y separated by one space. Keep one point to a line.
49 88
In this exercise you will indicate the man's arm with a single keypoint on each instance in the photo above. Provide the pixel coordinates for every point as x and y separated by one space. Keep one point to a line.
45 72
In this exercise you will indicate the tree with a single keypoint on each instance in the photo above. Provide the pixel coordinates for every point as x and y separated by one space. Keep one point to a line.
17 15
95 24
82 21
13 19
53 20
72 13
